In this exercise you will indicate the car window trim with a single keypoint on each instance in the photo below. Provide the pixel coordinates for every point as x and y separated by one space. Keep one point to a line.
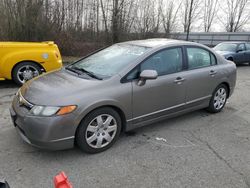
200 47
124 78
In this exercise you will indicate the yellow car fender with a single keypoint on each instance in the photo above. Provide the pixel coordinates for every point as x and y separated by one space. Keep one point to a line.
46 60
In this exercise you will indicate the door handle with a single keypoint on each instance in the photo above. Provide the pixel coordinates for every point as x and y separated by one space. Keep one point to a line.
179 80
212 72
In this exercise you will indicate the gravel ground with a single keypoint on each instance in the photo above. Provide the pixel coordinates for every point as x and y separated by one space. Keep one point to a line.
194 150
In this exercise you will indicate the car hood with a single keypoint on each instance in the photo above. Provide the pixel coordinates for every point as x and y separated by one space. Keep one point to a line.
224 53
57 88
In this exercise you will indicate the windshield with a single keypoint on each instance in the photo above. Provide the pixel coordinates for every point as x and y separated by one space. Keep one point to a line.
230 47
111 60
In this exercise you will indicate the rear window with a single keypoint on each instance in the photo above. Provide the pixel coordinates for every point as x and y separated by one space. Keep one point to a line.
198 58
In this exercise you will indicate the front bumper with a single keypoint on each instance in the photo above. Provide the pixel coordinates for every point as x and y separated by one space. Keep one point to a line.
52 133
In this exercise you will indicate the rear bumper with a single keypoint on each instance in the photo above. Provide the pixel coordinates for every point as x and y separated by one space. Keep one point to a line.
52 133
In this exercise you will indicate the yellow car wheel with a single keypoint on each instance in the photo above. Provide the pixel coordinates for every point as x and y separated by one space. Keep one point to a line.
25 71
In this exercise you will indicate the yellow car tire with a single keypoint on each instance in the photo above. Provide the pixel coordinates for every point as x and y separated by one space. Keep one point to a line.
25 71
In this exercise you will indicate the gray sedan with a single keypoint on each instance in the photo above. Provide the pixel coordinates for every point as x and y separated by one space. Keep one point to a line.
119 88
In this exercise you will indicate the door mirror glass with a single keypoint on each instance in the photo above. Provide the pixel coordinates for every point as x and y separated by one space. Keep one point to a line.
148 75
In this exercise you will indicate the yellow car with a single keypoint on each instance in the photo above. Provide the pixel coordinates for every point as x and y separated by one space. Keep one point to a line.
22 61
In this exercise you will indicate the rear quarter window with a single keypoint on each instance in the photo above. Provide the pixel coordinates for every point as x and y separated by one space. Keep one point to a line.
213 59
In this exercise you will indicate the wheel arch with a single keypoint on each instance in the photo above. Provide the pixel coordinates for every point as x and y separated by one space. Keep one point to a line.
228 87
230 58
24 61
114 107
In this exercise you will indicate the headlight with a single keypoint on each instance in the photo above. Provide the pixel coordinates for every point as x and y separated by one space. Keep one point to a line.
50 111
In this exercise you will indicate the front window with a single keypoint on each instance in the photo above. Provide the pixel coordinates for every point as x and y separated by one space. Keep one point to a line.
165 62
230 47
111 60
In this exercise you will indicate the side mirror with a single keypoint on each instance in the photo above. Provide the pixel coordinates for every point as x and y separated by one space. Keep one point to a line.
239 50
147 75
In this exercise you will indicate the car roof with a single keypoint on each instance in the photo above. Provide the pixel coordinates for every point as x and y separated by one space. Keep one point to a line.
157 42
233 42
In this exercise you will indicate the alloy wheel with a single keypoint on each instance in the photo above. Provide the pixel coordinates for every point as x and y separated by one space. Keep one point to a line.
26 73
220 98
101 131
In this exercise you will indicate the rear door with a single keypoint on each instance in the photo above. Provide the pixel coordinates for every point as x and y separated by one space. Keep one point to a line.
165 94
201 75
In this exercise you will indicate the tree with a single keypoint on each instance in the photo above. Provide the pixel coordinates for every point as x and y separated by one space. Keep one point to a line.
104 15
148 18
115 19
236 15
95 23
169 16
190 12
210 10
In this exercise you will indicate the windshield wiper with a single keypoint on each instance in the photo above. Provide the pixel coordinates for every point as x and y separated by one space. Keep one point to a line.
72 70
91 74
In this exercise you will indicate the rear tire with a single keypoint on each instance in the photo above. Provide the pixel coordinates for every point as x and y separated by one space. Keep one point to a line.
25 71
99 130
218 99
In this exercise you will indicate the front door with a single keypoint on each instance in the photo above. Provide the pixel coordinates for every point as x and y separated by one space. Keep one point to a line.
248 52
163 95
240 56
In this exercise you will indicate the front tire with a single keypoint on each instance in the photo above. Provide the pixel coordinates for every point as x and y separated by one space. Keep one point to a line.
99 130
25 71
218 99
